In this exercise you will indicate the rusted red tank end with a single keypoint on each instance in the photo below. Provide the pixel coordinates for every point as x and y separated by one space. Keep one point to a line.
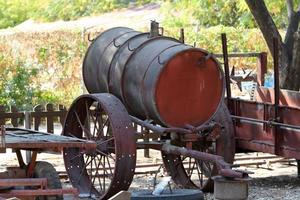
189 89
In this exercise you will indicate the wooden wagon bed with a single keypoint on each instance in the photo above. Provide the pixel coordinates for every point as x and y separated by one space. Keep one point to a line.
17 138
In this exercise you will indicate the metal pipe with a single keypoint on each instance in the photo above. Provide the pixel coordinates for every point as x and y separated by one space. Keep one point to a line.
239 55
277 137
272 123
276 77
162 130
223 167
158 129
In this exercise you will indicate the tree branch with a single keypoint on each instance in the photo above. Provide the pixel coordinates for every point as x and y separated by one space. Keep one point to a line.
269 30
290 8
265 22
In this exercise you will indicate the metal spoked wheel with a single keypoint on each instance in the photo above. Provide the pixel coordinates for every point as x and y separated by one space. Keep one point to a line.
109 168
190 173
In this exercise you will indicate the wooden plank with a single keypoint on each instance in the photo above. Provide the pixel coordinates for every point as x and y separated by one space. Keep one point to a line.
29 139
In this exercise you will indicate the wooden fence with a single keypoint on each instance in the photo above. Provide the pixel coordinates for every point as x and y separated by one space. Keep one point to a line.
50 113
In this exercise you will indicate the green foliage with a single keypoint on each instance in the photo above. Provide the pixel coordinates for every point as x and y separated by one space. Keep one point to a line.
178 12
56 58
205 20
13 12
18 87
50 71
206 13
239 40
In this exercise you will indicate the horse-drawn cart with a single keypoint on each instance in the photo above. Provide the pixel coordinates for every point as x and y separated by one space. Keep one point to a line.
160 86
146 83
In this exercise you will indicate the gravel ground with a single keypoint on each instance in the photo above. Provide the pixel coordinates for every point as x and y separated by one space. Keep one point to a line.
275 181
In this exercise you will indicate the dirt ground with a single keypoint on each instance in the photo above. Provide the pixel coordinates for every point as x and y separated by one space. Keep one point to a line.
135 17
269 181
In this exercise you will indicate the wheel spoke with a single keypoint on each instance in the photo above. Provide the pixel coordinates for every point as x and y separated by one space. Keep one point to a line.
91 174
96 121
104 170
88 120
110 139
76 156
82 127
84 168
111 172
99 178
201 171
200 175
102 127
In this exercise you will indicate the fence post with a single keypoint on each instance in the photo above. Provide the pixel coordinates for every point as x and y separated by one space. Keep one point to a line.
27 120
37 119
2 119
14 120
27 125
50 125
62 116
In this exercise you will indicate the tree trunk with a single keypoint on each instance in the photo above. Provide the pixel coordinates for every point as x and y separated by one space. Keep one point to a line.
288 66
293 83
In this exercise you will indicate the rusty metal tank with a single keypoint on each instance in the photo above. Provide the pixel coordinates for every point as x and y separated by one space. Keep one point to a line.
99 56
157 78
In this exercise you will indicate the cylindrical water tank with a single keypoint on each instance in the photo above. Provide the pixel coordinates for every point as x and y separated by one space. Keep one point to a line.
157 78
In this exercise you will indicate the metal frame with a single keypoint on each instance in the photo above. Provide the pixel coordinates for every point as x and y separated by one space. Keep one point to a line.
271 124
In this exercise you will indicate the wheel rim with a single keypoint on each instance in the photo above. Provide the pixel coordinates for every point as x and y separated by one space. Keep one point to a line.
190 173
110 167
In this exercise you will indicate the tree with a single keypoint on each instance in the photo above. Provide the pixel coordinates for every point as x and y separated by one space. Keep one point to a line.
289 56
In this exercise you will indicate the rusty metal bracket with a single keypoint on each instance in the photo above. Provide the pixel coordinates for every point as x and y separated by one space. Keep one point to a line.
204 59
224 169
31 166
117 46
89 38
181 38
162 30
154 29
129 47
